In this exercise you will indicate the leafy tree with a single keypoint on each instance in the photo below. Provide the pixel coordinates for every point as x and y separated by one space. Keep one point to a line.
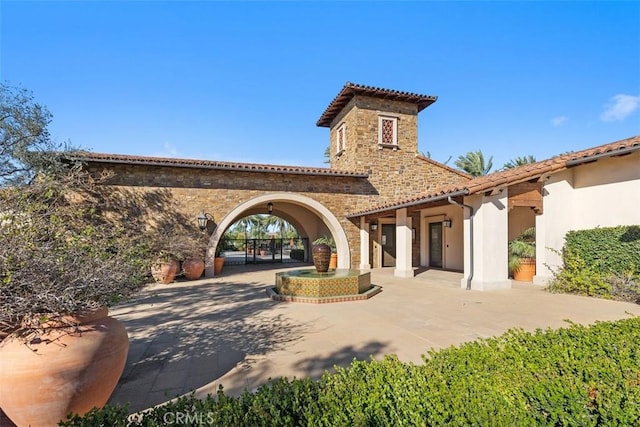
473 163
327 155
25 146
519 161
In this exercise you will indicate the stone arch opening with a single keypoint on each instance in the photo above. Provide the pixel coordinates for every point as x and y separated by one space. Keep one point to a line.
295 208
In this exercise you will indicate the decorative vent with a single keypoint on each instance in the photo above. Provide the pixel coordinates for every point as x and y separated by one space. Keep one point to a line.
388 132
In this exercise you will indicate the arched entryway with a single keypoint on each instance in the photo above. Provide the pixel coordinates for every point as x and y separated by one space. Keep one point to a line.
310 217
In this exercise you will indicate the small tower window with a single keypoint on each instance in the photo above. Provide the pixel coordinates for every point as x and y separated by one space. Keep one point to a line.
388 131
341 139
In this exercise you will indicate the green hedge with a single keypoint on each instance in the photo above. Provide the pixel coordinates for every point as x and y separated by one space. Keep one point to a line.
610 250
582 376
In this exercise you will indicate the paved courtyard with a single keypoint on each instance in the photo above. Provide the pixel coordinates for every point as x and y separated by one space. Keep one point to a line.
200 334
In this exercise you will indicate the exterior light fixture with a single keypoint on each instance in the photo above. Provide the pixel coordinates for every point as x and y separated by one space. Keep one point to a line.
447 223
203 219
374 226
270 208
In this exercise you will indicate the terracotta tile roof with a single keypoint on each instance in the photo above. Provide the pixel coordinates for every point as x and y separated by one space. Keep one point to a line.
89 157
512 176
351 89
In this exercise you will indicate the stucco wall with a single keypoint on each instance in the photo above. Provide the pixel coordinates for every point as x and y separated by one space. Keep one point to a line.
605 193
453 254
520 219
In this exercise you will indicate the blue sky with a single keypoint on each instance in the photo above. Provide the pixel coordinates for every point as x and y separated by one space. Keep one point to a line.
247 81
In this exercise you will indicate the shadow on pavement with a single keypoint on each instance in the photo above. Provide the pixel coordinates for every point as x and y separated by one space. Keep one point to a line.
184 336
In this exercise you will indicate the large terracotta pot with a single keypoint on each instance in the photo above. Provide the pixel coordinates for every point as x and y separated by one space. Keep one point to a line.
526 270
321 257
165 271
193 268
218 264
61 369
333 261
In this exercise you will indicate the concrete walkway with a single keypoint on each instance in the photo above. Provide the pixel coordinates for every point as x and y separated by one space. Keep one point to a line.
197 335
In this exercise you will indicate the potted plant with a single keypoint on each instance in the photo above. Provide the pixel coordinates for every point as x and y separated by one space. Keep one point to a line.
62 264
322 250
522 255
193 264
218 262
170 245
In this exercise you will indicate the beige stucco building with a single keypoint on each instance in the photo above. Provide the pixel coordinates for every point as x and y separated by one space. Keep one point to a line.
386 205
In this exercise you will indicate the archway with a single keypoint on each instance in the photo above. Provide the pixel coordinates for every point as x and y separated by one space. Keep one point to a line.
308 204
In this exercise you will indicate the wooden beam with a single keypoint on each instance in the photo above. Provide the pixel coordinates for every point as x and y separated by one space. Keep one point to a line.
526 194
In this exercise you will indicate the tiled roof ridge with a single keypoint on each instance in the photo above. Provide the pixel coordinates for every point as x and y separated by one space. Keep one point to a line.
340 100
209 164
515 175
389 91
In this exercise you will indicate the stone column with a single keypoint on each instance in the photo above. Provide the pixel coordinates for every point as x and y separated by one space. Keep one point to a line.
364 245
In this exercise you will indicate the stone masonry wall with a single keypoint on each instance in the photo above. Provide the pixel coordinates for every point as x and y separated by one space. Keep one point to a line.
395 174
219 191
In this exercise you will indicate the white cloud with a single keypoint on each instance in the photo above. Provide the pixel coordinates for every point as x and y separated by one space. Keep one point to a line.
620 107
559 121
168 150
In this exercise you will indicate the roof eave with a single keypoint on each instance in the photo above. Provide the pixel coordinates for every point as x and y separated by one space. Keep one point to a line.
217 167
593 158
423 201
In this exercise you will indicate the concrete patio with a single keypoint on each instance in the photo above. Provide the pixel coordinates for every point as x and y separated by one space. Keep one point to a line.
197 335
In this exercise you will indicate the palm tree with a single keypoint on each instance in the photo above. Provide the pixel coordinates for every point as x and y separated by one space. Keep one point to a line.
519 161
259 227
277 223
473 163
245 223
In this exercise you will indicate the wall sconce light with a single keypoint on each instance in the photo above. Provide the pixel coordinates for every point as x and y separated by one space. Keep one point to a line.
447 223
374 226
270 208
203 219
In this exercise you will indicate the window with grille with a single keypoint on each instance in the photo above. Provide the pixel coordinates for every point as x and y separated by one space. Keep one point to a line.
387 131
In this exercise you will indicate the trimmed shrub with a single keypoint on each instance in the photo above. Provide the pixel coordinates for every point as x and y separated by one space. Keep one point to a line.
609 250
601 262
577 375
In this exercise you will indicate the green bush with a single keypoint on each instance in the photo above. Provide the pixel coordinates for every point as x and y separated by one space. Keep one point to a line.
576 277
578 375
601 262
609 250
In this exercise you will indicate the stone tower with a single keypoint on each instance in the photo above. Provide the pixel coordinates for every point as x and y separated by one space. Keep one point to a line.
376 131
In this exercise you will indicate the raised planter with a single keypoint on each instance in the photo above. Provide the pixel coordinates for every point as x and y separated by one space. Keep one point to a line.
165 271
333 261
526 270
193 268
218 264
